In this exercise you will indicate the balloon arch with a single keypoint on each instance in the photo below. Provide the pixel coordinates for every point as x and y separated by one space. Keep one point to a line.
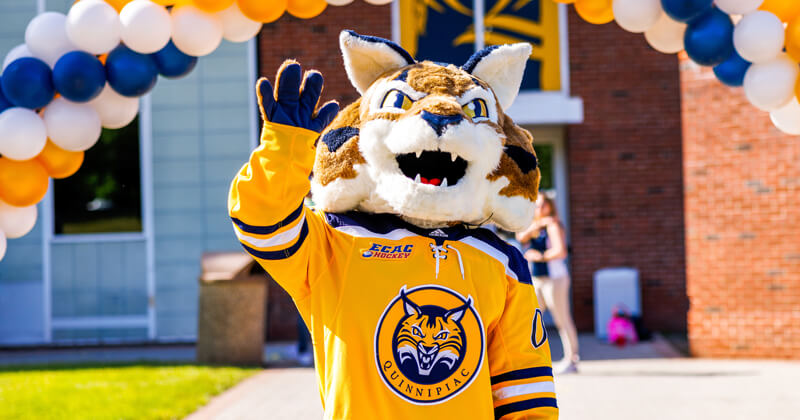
80 72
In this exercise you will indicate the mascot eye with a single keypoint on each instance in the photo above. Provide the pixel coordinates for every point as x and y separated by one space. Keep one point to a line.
396 99
441 336
476 110
416 331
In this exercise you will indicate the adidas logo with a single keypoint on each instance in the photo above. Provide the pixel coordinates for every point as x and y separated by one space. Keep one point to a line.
438 232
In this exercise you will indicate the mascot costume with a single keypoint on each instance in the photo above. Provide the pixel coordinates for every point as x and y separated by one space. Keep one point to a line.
415 311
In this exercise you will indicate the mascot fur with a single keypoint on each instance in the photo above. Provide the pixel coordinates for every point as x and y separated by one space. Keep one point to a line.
414 310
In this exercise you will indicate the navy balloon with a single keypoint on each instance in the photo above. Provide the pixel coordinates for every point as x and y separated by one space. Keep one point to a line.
28 83
685 10
4 103
130 73
709 38
79 76
173 63
731 71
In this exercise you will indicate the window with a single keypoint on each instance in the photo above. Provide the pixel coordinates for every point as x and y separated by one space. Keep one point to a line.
104 196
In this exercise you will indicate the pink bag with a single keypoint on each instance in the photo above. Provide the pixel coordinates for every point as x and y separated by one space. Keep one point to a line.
621 330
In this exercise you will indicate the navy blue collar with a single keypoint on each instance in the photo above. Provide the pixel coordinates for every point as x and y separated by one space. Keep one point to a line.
383 223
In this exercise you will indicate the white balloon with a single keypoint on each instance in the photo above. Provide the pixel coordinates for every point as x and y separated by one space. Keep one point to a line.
770 85
46 37
93 25
378 2
16 222
194 31
637 15
3 244
339 2
759 37
19 51
22 134
146 26
738 7
787 119
114 110
236 27
666 35
72 126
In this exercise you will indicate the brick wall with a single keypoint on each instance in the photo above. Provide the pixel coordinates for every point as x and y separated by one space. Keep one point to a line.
625 171
315 44
742 181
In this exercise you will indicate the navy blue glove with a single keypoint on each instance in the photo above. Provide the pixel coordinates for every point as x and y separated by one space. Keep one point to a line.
293 104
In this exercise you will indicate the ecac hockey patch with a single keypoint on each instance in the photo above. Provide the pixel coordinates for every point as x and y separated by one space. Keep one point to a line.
387 252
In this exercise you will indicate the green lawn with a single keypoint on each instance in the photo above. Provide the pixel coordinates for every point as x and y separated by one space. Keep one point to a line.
141 391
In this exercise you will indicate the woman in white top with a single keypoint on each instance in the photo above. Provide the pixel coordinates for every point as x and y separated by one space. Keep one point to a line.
547 250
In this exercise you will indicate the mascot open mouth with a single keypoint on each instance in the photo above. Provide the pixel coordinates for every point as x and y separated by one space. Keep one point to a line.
438 168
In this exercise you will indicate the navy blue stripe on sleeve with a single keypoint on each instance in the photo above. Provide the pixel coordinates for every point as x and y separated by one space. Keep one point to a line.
523 405
266 230
534 372
283 253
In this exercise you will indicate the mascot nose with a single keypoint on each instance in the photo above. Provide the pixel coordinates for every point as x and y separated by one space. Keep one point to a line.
438 122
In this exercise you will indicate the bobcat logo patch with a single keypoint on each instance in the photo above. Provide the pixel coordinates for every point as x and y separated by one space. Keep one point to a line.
429 344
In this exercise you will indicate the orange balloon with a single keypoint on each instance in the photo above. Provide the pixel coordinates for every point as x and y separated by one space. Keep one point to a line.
59 163
264 11
22 183
306 9
793 39
595 11
118 4
565 1
786 10
164 2
797 89
212 6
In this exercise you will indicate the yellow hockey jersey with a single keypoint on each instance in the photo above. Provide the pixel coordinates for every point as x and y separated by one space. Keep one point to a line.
407 323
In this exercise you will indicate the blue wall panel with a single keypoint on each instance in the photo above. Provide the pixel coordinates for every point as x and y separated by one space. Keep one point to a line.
201 138
21 293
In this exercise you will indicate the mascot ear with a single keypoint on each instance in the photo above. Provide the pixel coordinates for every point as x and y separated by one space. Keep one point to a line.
367 57
502 67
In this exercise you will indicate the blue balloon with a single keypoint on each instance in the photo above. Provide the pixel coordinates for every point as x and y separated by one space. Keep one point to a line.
130 73
709 38
173 63
79 76
4 103
28 83
731 71
685 10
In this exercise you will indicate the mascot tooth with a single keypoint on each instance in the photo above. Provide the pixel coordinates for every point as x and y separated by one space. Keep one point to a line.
414 311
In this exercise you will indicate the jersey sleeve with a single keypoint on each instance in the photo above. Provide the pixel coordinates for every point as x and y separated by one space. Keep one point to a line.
266 207
519 359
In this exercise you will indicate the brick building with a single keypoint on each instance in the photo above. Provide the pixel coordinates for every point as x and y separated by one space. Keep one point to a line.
668 172
742 210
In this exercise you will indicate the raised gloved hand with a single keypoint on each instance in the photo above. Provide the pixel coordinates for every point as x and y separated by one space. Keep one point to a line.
293 104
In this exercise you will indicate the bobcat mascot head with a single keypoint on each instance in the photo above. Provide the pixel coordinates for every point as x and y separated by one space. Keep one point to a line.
429 141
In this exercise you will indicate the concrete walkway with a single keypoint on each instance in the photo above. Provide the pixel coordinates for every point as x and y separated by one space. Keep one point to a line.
647 381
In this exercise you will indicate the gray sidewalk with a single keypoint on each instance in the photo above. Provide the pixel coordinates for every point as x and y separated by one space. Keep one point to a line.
647 381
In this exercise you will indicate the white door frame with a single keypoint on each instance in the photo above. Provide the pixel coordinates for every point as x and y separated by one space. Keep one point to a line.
560 180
